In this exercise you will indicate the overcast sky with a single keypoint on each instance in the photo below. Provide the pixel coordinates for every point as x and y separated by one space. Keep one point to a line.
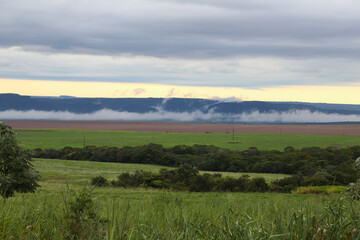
223 43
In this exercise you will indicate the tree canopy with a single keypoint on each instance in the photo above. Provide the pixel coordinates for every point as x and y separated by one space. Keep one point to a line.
16 171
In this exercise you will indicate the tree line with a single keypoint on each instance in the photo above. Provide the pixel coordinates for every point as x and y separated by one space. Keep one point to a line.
314 165
188 178
185 178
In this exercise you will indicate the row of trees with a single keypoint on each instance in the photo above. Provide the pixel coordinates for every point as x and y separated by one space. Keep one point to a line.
188 178
327 165
185 178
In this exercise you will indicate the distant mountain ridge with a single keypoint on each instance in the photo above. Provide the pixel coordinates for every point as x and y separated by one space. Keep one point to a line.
15 102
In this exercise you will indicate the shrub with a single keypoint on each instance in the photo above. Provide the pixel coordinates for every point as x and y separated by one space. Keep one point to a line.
82 220
287 184
202 183
258 184
226 184
99 181
316 181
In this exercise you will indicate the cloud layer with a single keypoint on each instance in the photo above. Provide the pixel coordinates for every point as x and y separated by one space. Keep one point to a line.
296 116
184 29
237 43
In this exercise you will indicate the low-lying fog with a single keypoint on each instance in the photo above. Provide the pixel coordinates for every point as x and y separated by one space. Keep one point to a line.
294 116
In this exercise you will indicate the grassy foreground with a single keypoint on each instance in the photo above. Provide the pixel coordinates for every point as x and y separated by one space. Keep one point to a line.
60 209
58 138
140 214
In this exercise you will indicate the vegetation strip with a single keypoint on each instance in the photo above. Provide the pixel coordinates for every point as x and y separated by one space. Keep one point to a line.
185 178
309 166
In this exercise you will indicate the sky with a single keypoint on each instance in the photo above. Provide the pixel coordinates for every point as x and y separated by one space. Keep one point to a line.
271 50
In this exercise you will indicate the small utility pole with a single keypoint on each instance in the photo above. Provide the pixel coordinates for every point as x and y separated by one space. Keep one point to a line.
84 141
233 135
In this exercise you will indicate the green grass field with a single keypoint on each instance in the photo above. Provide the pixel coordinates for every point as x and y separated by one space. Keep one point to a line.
61 208
153 214
42 138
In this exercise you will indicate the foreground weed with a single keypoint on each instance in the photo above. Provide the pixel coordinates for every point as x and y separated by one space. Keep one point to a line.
82 219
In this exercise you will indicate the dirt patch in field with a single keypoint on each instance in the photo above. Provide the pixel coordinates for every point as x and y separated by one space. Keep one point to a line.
29 130
344 129
54 179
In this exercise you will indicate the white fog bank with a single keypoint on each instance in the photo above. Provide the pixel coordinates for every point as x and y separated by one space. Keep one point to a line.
294 116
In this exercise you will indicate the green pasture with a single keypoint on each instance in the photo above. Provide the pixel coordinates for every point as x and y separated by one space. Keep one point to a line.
56 210
56 138
157 214
67 170
147 214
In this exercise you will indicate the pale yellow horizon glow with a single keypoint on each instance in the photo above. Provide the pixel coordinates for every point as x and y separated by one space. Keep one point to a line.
318 94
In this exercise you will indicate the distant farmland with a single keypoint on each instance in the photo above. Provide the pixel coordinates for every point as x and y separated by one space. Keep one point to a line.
343 129
59 138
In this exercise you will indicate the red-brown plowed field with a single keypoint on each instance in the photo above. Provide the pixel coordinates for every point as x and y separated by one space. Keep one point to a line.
351 129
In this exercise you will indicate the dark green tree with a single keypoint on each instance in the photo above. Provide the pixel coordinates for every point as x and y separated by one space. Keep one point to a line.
16 171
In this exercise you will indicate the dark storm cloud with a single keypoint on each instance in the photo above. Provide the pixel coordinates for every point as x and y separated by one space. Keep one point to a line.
184 29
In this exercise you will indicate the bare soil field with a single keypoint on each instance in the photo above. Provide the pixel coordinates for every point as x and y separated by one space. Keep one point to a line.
350 129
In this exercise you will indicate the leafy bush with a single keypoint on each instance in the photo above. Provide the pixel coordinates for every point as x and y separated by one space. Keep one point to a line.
316 181
99 181
287 184
258 184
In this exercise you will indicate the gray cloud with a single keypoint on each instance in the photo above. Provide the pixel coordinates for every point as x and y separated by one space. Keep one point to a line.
228 99
138 91
184 29
237 43
298 116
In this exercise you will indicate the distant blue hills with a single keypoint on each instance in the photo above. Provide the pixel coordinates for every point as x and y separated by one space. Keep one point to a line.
179 105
